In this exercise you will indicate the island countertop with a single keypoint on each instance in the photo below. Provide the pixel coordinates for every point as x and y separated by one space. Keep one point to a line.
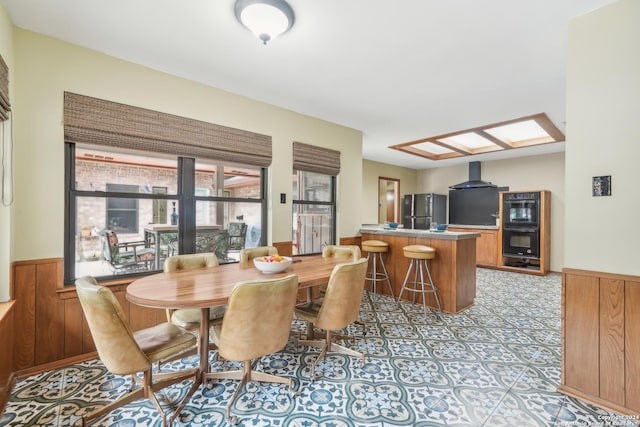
453 268
441 235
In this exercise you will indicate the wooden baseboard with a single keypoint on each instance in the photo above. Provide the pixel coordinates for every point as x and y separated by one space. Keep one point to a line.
597 401
7 367
5 392
63 363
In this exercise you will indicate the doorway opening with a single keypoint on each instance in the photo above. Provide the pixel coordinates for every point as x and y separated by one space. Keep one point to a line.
388 200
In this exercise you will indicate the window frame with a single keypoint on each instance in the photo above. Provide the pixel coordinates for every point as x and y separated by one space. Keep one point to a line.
332 203
185 196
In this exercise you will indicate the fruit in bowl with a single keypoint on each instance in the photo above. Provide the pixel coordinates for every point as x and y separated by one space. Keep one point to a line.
272 263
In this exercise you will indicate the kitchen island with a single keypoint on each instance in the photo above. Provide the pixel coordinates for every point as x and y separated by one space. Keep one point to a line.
453 269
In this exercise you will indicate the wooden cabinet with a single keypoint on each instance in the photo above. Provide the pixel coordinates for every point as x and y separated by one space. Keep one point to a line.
601 339
540 265
486 246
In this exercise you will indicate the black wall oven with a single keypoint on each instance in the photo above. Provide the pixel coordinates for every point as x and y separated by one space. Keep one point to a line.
521 209
521 225
522 242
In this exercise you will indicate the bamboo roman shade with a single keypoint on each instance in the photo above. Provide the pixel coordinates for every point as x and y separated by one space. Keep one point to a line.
96 121
311 158
5 106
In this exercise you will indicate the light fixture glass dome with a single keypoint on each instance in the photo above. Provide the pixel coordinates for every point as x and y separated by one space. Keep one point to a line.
267 19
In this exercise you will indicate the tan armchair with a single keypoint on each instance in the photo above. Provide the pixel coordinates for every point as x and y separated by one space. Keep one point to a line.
124 352
257 323
248 254
339 308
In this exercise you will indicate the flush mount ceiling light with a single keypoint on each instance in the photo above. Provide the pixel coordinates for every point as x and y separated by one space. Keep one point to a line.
267 19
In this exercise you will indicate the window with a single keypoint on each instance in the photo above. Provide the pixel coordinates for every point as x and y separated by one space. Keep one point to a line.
314 197
314 212
127 211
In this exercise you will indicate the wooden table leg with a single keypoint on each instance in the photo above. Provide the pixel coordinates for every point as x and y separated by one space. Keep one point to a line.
203 343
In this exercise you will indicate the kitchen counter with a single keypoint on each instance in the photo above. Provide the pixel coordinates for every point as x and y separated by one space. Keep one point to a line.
441 235
453 269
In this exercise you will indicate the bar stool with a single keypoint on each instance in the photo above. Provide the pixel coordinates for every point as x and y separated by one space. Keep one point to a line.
419 255
374 250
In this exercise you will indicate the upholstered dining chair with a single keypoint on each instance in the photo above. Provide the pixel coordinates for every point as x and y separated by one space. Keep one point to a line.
339 308
257 323
124 352
248 254
189 318
346 252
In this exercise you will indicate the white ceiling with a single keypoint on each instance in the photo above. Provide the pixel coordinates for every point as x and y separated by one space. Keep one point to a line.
398 70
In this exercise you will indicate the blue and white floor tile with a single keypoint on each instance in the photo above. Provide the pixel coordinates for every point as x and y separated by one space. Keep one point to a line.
497 364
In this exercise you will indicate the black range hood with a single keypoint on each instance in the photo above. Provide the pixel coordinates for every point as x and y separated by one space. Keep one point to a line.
475 180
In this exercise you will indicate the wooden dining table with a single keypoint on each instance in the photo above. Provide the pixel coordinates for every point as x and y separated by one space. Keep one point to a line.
206 287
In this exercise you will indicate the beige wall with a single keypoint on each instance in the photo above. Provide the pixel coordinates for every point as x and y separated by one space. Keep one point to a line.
6 50
603 138
371 171
47 67
544 172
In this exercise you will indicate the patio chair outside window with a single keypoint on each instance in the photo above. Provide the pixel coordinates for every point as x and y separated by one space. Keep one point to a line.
237 235
126 256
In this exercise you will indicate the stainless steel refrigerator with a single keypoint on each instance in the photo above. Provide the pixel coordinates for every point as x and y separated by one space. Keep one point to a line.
420 210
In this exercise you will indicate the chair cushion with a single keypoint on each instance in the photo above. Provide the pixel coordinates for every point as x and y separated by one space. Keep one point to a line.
164 340
187 317
419 252
375 246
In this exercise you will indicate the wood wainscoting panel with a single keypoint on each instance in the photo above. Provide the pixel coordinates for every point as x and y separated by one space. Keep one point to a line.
74 324
632 345
350 240
612 340
49 323
601 339
24 294
7 333
49 341
284 248
581 340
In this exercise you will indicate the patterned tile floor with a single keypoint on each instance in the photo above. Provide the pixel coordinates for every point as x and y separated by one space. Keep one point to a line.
497 364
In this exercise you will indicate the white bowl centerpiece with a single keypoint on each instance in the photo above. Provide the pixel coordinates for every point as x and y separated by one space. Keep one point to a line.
272 263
